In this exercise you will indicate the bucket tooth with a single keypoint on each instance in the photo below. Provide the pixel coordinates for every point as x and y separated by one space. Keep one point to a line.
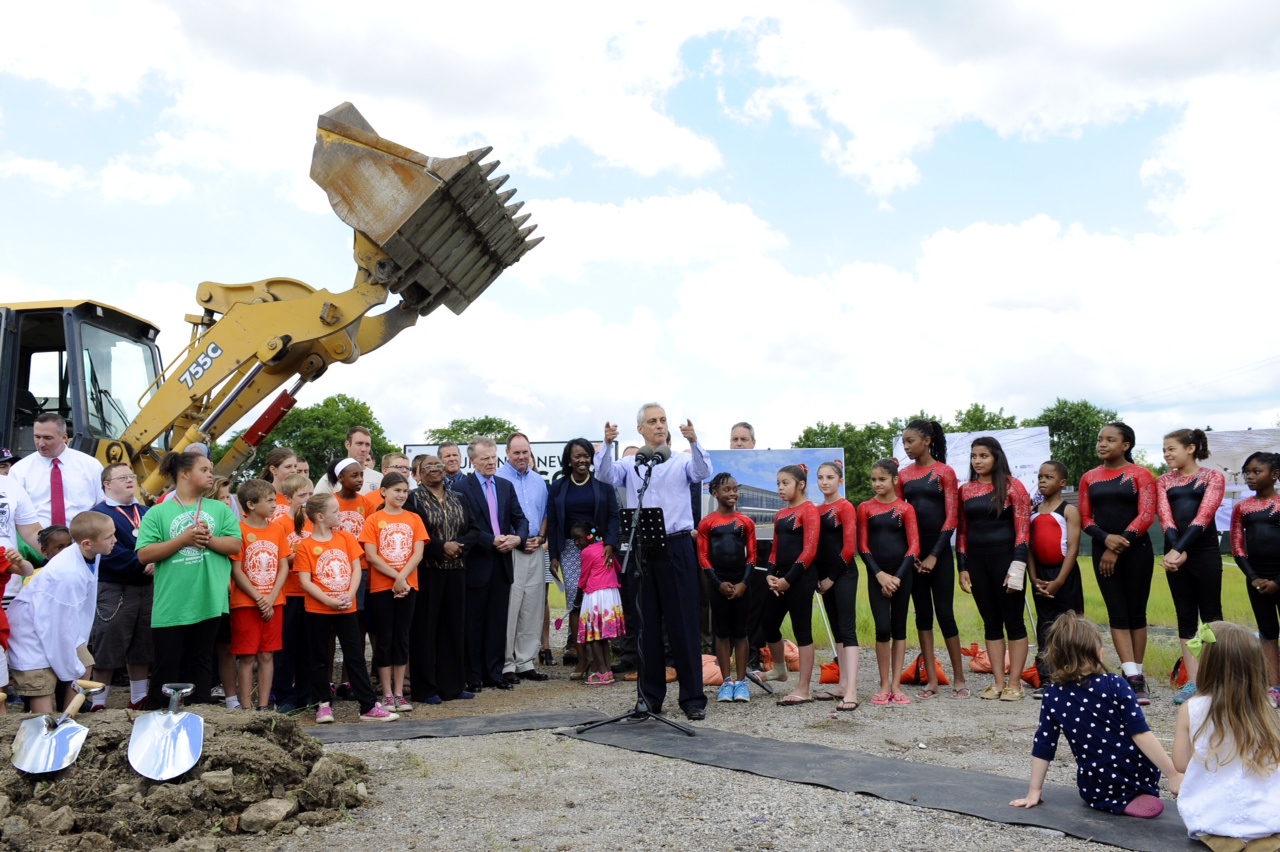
480 153
513 209
496 183
490 167
529 245
504 197
521 219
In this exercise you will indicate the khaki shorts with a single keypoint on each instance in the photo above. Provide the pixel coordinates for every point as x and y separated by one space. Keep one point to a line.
41 682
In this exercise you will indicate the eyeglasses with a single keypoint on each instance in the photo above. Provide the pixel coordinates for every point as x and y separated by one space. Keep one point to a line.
129 478
432 467
403 468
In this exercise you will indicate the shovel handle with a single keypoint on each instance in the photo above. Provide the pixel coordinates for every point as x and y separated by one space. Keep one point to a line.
90 687
74 707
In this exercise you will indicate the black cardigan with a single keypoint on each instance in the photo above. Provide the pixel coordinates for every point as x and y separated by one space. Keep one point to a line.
606 514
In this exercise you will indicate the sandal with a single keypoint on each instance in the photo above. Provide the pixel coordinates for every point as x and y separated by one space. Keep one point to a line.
960 692
848 706
899 700
792 701
880 699
826 695
596 679
991 693
927 694
577 675
546 658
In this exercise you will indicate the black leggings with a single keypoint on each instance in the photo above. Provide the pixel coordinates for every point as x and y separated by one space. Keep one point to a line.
184 654
1197 590
1001 610
1266 608
797 602
728 618
890 614
347 628
1126 591
936 591
841 601
389 618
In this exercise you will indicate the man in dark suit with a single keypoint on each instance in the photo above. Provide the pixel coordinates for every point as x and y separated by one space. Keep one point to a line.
502 528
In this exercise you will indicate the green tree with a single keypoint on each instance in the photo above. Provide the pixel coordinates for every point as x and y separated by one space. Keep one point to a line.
977 418
1073 432
863 444
463 429
317 432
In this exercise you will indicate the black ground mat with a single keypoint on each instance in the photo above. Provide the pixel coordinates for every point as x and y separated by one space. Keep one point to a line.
462 726
925 785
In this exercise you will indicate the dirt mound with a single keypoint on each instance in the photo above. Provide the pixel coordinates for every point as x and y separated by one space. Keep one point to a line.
258 772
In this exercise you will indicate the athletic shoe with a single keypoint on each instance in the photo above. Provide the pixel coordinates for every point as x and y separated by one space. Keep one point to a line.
344 692
389 702
1184 693
726 691
1139 685
378 713
138 705
286 708
324 715
97 708
218 692
1038 693
741 691
400 705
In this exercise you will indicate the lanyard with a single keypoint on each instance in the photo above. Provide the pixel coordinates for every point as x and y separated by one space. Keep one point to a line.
135 519
195 519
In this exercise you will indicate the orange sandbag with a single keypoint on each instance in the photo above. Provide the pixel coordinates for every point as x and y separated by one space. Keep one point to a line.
1178 676
1031 676
917 673
792 654
766 659
711 671
830 673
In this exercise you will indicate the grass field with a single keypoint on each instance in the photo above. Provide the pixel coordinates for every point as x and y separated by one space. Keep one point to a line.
1162 645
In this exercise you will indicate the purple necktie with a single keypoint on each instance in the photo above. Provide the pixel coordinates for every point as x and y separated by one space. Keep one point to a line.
493 507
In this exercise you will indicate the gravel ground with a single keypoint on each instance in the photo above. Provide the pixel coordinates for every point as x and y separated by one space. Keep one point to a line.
539 791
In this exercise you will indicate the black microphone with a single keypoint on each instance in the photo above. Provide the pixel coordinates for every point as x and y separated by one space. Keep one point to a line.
644 456
661 454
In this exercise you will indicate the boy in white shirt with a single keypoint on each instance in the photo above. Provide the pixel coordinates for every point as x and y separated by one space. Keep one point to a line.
51 617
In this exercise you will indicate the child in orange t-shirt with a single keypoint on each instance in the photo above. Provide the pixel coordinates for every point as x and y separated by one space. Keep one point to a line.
328 566
393 540
258 574
292 684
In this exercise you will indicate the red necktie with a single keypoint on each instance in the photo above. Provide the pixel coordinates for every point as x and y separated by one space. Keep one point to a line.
57 505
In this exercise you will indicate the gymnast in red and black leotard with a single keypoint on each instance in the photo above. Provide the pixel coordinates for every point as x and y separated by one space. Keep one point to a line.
838 579
992 537
727 551
1117 507
792 580
1255 544
930 486
889 545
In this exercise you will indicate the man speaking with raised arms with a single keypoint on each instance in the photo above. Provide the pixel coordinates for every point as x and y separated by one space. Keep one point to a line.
669 592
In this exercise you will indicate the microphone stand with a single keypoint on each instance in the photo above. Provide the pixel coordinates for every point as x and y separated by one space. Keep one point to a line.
642 710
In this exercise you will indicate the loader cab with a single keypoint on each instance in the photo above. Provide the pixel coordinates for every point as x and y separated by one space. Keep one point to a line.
91 363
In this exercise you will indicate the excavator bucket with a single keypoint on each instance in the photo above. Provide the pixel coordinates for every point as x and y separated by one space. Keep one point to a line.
446 229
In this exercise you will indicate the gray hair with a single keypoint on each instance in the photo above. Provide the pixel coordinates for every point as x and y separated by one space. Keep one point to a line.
646 407
477 443
744 425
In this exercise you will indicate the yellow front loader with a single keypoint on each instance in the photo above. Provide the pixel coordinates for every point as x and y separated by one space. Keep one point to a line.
429 231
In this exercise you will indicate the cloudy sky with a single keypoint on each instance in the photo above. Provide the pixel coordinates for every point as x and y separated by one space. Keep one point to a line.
786 213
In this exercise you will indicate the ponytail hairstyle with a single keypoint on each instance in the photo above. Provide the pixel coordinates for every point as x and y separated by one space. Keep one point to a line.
1271 460
275 458
1127 435
583 527
836 465
395 478
1244 726
314 507
889 466
932 430
175 464
798 472
1000 473
718 481
1192 438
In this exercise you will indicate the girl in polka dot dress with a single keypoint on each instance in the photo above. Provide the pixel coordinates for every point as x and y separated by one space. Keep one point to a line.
1118 759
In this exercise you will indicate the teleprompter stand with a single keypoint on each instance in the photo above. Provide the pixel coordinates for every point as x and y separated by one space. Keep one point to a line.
646 540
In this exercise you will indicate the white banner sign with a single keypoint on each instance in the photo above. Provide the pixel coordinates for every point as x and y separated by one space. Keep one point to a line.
546 455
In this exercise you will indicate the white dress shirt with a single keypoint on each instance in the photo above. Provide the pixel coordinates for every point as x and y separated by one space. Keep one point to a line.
52 616
669 487
81 482
15 510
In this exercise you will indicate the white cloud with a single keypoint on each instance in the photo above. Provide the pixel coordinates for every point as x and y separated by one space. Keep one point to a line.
45 173
122 181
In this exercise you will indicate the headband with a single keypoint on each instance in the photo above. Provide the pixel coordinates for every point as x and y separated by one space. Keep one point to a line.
344 464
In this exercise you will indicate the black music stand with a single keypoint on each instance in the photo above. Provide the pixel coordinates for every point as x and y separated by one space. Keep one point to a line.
646 539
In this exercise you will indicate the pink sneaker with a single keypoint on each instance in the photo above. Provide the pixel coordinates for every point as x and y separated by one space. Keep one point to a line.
400 705
324 715
378 713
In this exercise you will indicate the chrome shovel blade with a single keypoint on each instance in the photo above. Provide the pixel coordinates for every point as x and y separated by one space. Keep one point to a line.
164 745
42 746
